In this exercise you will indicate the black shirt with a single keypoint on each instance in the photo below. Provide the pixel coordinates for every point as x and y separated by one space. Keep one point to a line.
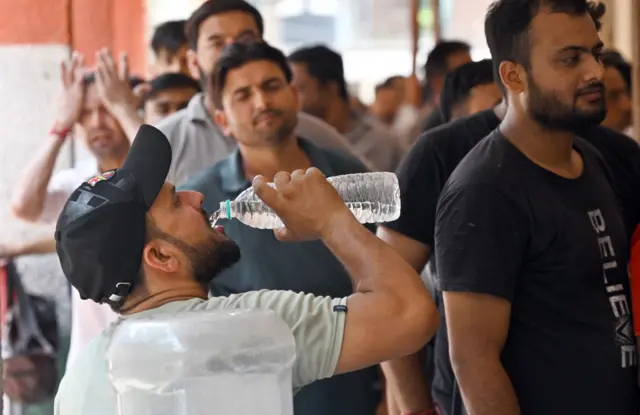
556 249
426 169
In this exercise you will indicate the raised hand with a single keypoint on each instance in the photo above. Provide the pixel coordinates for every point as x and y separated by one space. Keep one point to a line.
112 81
72 96
308 205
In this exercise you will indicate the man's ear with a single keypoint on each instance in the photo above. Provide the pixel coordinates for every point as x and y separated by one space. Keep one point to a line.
161 255
192 62
296 97
512 76
220 117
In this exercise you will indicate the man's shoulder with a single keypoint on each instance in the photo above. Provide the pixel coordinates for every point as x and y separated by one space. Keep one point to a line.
341 162
207 180
173 122
605 139
490 163
463 133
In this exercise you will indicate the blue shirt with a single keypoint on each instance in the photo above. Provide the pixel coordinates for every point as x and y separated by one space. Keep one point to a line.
307 267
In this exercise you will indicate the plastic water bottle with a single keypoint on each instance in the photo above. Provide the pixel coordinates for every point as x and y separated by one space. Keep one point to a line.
371 197
203 362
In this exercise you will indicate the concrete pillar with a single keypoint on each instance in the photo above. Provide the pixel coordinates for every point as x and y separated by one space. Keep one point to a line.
35 35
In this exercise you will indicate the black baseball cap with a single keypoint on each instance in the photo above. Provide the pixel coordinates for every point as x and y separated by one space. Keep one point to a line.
101 232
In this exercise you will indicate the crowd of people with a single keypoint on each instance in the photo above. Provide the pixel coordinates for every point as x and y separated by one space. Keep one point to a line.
520 198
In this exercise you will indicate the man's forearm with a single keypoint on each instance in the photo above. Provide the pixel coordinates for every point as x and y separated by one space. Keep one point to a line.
406 379
370 261
486 387
129 120
28 198
38 247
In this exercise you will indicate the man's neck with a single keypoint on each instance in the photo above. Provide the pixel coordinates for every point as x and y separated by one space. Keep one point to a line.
110 163
551 149
339 116
269 160
139 301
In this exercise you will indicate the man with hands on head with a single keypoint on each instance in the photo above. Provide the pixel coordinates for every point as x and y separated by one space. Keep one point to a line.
86 111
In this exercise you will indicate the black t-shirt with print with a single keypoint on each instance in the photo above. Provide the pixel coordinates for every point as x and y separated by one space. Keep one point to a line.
556 249
427 167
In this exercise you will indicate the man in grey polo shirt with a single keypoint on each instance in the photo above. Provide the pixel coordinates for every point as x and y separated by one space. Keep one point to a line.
257 106
195 139
318 74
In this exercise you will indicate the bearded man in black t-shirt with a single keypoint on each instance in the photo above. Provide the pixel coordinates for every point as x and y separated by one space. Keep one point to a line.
422 176
531 246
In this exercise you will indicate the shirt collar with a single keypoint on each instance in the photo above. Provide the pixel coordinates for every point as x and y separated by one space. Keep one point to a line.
233 179
196 110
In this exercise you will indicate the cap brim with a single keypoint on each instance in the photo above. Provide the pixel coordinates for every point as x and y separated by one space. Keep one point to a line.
149 160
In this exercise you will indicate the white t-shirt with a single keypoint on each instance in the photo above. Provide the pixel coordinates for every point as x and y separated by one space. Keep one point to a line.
88 319
317 328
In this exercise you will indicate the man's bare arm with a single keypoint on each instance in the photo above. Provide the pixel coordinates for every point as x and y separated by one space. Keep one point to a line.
41 246
29 196
477 326
391 311
406 381
393 317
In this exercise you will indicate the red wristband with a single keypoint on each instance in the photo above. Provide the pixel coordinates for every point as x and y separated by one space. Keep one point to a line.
59 133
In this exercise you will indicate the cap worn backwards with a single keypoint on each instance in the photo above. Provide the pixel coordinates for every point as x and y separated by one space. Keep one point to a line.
101 232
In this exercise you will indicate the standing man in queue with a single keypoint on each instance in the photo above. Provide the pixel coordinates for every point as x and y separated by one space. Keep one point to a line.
422 177
531 249
195 138
257 105
167 253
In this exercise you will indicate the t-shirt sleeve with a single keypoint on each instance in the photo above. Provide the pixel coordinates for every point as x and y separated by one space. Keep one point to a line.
59 189
318 329
481 237
421 179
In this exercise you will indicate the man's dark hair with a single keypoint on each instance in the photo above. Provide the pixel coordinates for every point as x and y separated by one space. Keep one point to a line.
323 64
213 7
437 59
239 54
459 83
90 79
170 81
613 59
507 24
169 36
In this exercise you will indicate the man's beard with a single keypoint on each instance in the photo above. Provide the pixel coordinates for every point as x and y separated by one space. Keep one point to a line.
550 112
288 124
210 259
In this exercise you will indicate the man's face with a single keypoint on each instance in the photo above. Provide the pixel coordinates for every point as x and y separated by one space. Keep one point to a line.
314 99
101 131
456 60
481 97
179 220
168 62
165 103
618 101
217 32
565 79
260 106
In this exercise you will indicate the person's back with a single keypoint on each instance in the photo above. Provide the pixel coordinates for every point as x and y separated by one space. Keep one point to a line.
86 387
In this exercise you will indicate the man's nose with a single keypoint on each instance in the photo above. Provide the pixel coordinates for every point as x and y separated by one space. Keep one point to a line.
192 198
